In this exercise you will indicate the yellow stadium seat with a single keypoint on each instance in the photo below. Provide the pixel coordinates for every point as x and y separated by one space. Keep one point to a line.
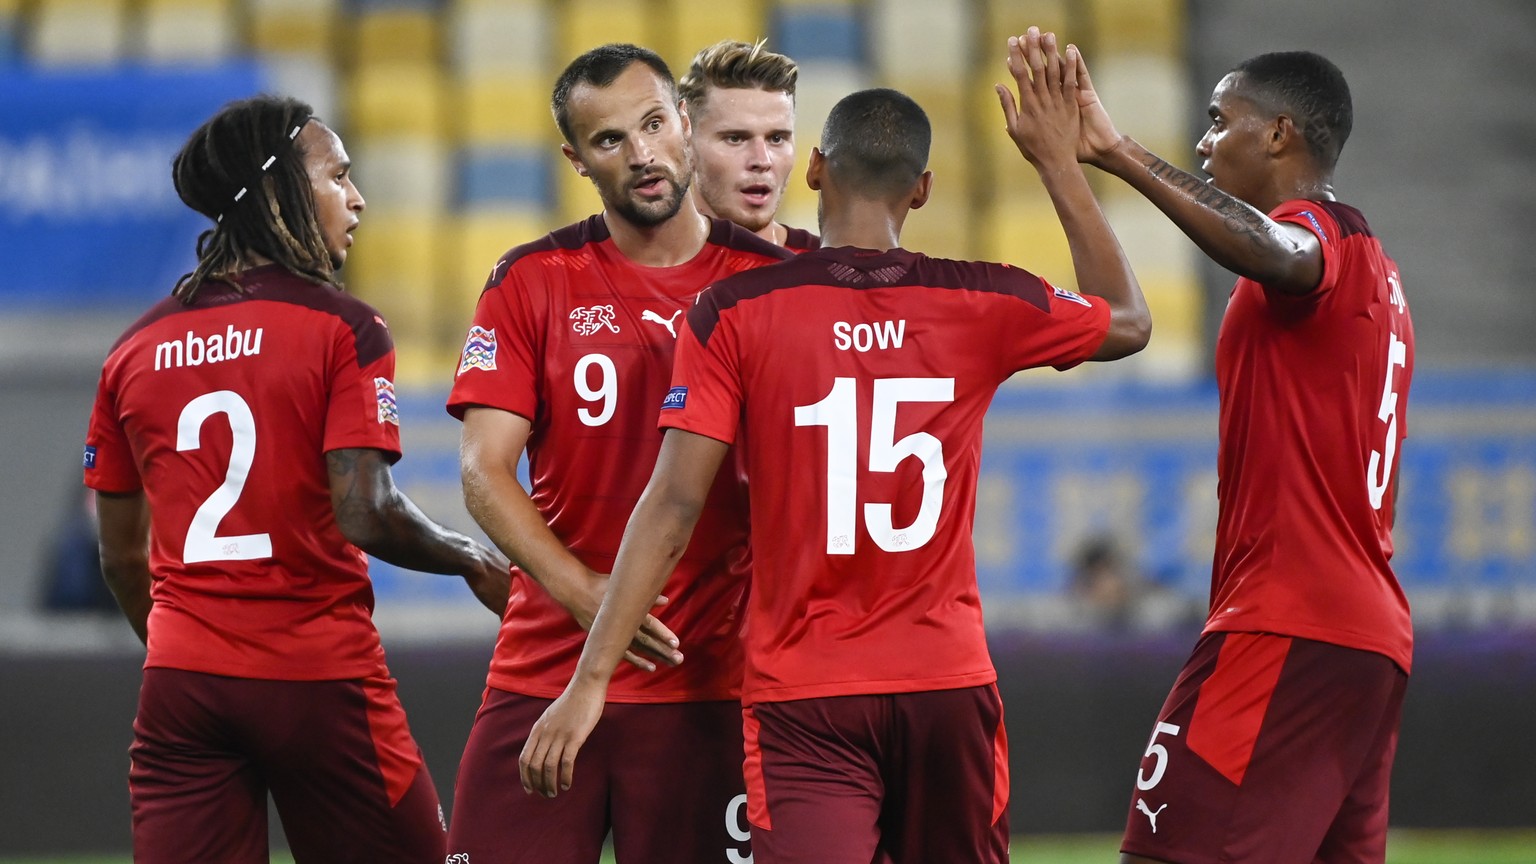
503 108
402 174
689 26
1139 26
182 31
502 36
942 228
1004 18
1150 100
395 36
78 32
575 196
397 99
287 27
586 24
998 158
922 42
1027 234
476 242
394 267
1152 243
1175 350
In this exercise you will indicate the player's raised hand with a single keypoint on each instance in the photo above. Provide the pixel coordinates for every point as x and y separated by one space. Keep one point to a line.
1099 135
653 640
547 764
1043 120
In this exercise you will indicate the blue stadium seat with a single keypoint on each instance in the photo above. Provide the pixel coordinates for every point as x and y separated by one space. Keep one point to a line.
516 178
820 33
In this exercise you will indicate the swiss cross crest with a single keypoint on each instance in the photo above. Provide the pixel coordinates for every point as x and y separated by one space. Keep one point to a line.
587 320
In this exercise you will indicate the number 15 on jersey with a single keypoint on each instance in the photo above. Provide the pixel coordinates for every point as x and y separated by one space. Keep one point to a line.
839 412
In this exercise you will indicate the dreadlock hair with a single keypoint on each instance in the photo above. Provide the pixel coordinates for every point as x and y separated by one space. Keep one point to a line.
244 170
600 67
729 64
1309 88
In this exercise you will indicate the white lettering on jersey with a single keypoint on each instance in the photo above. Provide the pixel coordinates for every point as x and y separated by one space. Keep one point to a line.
869 337
655 318
196 350
590 319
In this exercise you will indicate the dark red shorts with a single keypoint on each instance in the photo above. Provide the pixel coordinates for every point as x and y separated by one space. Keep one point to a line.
906 778
664 777
346 776
1272 749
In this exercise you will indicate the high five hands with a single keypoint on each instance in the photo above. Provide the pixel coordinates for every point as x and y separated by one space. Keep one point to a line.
1057 116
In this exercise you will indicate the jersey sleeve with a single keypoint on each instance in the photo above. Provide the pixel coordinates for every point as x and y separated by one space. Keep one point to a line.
498 366
1321 223
363 411
705 397
1062 330
108 461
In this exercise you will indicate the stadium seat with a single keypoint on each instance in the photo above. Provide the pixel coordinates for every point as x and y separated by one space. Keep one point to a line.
1174 352
475 242
187 31
692 25
1137 27
501 37
575 196
311 78
391 35
505 178
394 266
1024 232
829 32
1148 96
586 24
78 32
287 27
397 99
403 174
501 108
10 30
942 228
922 42
1004 18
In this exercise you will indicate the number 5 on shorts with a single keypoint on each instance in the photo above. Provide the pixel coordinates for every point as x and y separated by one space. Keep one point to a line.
1159 752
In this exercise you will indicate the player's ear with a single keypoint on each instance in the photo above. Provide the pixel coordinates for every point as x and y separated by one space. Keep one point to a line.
682 113
569 153
921 190
815 172
1283 133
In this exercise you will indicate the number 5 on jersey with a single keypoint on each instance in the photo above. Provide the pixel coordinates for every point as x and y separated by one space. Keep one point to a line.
839 412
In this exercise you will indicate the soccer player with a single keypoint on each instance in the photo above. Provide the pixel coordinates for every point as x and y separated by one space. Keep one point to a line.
569 354
1277 740
856 378
740 100
241 445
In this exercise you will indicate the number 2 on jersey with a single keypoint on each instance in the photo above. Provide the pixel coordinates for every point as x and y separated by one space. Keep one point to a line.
839 413
203 542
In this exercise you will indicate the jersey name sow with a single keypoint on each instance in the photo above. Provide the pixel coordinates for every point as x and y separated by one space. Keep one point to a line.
869 337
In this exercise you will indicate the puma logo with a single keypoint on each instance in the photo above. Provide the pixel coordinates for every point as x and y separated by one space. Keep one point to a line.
1151 814
654 318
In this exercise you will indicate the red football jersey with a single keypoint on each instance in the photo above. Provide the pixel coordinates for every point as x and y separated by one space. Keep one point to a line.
856 382
1314 401
800 240
222 412
579 339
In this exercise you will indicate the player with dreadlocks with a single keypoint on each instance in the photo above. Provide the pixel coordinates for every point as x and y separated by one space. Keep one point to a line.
241 445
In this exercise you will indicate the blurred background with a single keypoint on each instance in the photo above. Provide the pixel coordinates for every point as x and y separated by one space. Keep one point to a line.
1097 501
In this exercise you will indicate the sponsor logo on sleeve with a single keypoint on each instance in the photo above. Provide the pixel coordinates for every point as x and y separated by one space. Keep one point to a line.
1071 296
1316 226
90 456
677 397
389 409
587 320
479 350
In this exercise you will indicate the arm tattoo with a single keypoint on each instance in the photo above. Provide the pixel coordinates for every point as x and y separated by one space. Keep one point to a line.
353 504
1239 218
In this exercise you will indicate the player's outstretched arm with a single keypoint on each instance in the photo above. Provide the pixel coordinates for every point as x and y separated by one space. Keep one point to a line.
1045 121
654 540
378 518
1287 258
124 546
492 441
